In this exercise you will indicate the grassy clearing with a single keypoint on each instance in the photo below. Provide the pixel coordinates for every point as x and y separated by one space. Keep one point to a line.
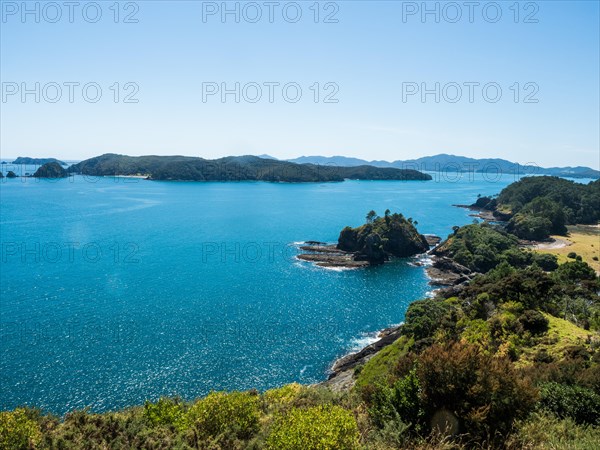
561 335
585 241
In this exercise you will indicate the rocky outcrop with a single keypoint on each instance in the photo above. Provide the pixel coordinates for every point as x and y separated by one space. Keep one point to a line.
51 170
382 237
371 244
330 256
445 271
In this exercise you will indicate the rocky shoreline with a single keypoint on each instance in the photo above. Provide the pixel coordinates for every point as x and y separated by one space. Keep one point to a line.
327 255
342 372
444 273
485 213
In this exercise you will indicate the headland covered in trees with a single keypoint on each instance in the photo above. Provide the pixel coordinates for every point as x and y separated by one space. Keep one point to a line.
505 356
234 168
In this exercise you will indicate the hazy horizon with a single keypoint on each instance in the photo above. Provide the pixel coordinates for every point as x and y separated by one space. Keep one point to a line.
10 158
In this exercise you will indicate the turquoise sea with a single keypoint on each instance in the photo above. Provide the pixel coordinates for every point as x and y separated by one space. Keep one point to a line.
116 290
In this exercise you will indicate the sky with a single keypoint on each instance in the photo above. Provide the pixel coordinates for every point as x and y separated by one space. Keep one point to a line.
367 79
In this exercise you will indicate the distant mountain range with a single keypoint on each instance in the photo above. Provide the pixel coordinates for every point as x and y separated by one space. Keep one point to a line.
233 168
453 163
304 168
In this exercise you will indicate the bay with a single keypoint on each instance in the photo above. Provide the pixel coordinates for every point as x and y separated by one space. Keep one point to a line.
118 290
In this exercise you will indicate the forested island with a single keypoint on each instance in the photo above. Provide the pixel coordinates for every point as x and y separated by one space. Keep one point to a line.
508 357
37 161
233 168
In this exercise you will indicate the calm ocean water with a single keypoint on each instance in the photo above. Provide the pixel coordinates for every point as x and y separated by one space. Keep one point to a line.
114 290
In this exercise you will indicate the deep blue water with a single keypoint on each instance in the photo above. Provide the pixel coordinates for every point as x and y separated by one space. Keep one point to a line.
113 290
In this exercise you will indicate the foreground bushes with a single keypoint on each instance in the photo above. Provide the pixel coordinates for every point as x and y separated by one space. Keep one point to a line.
324 427
454 388
580 404
18 429
290 417
485 393
220 413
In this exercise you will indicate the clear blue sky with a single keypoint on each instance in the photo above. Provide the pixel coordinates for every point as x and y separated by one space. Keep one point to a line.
369 53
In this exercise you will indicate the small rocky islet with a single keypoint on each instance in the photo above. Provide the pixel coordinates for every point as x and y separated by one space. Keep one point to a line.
373 243
51 170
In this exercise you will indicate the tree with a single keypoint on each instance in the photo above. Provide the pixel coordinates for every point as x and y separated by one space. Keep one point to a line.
387 216
423 318
371 216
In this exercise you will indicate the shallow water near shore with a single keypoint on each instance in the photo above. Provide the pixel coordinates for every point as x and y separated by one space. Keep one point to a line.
117 290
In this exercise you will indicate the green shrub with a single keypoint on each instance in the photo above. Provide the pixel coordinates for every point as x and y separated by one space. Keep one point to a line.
574 402
423 318
398 403
546 261
575 271
283 395
534 322
18 430
545 431
168 412
222 413
323 427
485 393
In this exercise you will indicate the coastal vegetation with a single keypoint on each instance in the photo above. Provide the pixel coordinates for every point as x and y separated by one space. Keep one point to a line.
233 168
382 237
507 359
481 247
537 207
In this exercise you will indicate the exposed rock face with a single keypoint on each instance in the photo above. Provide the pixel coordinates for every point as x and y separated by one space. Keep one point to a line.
330 256
447 272
372 250
348 240
51 170
487 203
